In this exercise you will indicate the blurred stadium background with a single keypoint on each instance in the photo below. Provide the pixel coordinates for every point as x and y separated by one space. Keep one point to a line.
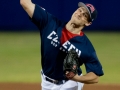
20 42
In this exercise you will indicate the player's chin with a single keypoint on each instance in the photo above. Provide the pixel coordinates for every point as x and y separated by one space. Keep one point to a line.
78 22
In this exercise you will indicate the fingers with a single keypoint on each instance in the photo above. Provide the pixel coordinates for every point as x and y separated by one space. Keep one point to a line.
69 74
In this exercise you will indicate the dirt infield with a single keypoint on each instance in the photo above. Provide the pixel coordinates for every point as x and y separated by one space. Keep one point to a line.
22 86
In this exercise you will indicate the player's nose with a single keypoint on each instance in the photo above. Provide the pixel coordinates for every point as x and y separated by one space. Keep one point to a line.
79 14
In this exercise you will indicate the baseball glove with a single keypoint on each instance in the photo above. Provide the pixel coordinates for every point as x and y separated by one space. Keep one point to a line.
70 64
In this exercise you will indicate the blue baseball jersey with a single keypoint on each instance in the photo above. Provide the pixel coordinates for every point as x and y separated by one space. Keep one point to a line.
53 51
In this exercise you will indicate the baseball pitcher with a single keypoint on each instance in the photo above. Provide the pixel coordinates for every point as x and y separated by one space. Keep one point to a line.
65 47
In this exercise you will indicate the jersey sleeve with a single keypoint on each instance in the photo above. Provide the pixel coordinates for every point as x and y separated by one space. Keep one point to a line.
40 17
93 65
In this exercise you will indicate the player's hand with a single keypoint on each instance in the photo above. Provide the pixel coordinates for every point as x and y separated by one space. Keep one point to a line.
69 74
71 64
75 78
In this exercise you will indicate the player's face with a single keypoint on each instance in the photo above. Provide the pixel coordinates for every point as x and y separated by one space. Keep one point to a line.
80 16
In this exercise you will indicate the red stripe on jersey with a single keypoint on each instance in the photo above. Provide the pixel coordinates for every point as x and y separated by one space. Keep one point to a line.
66 35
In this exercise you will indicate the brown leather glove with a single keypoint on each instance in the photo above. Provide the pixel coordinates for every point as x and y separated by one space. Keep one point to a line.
70 64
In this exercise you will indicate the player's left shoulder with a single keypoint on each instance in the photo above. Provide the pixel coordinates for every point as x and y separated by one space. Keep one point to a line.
89 44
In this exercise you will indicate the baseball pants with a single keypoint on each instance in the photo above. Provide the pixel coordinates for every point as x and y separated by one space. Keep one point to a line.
68 85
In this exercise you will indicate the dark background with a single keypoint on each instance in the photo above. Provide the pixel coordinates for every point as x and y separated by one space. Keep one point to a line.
14 18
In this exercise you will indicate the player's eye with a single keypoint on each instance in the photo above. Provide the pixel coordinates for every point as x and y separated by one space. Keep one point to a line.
84 15
80 10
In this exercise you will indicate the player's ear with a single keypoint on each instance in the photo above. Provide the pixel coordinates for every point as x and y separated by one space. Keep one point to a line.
88 23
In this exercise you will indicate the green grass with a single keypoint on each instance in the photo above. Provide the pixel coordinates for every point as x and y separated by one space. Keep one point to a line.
20 56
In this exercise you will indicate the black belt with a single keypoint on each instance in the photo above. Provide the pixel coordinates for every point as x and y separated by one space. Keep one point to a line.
53 81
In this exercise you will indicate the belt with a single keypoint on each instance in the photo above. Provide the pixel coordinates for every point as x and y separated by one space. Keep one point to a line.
58 82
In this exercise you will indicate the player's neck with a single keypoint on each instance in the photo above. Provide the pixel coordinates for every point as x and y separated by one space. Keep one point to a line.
73 28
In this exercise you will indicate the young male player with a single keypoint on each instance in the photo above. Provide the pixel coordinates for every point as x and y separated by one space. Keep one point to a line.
59 37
